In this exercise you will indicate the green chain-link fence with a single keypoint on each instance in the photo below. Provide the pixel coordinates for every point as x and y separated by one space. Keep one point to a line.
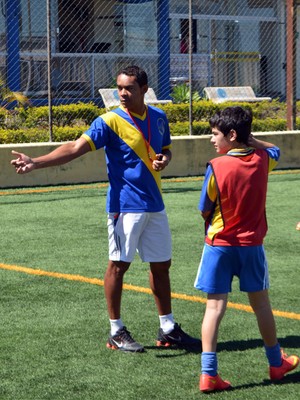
79 45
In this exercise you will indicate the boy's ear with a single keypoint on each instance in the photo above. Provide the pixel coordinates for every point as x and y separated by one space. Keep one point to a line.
232 135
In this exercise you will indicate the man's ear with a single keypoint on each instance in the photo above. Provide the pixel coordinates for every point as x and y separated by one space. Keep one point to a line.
232 135
145 89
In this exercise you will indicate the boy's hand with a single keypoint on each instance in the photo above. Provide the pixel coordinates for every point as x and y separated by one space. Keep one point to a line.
258 144
251 140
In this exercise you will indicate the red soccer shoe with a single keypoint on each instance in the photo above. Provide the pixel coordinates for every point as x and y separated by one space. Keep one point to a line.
212 383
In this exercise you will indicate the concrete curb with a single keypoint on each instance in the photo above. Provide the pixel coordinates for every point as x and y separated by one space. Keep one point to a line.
190 155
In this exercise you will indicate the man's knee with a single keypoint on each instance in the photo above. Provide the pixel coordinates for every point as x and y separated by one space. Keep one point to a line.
160 267
117 268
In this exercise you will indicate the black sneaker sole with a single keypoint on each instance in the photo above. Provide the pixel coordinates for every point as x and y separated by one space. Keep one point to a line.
113 347
160 343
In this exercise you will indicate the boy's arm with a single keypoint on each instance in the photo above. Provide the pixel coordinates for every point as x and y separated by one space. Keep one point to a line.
208 194
272 150
259 144
205 214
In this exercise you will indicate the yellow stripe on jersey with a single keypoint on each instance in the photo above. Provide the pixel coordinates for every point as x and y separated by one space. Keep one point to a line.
134 139
212 188
272 164
216 223
90 142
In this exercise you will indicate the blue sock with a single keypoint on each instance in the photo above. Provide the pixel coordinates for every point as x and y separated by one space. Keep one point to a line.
209 363
274 355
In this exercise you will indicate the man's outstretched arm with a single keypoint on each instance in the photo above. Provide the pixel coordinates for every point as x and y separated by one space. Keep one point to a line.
62 155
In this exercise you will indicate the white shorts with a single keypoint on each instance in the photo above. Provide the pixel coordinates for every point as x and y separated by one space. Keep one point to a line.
147 233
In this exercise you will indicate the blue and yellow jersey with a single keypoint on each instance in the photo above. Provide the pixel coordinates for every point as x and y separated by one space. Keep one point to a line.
134 185
234 193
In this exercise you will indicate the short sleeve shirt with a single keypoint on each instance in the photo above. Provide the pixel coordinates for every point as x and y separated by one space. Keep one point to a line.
134 185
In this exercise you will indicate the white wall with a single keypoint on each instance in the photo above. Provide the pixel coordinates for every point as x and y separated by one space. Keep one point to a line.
298 54
190 155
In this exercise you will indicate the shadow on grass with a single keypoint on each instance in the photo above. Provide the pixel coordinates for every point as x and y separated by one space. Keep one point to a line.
181 190
242 345
33 200
174 351
288 379
236 345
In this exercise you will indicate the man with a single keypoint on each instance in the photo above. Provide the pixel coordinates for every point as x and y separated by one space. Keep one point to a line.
232 203
137 145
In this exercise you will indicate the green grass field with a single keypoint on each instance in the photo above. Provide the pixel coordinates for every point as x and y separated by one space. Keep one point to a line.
54 323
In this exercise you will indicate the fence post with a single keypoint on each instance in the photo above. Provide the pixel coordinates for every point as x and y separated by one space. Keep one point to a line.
190 68
49 56
13 45
291 12
163 35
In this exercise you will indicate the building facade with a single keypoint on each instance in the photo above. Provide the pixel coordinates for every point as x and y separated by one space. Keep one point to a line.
217 43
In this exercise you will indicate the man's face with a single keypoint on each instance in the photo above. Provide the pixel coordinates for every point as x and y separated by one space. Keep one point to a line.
222 144
130 93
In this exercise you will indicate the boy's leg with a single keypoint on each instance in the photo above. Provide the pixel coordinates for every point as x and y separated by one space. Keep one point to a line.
214 277
261 306
215 310
280 363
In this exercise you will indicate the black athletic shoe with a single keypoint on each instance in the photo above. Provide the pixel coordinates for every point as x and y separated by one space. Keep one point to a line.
176 337
122 340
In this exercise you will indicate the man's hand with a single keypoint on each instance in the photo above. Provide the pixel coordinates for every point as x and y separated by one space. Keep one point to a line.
161 161
61 155
22 163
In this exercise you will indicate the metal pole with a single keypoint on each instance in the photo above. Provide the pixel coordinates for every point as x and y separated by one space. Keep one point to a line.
49 69
13 60
190 69
209 62
291 64
29 25
163 34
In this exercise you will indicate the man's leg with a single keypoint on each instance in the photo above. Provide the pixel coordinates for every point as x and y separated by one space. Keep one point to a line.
160 285
113 282
119 338
170 333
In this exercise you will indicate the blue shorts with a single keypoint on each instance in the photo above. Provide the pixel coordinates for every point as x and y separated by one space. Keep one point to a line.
219 264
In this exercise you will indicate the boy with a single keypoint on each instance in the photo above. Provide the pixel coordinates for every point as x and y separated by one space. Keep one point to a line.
232 204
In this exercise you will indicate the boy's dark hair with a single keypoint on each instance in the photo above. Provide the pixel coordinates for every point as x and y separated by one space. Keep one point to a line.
139 73
236 118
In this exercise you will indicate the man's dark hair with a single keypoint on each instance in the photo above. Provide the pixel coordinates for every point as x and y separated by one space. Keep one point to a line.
139 73
236 118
